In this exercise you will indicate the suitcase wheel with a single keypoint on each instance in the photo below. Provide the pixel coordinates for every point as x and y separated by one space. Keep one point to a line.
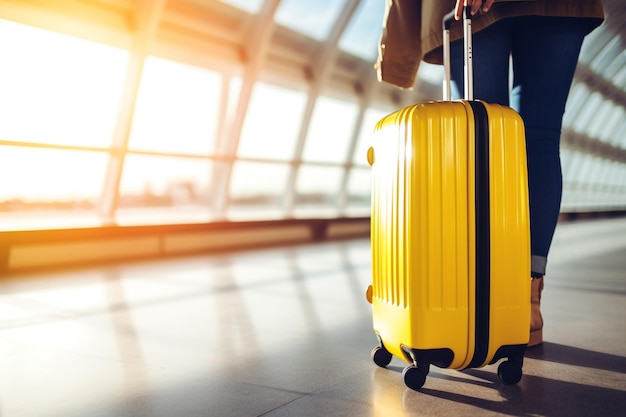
415 376
510 372
381 356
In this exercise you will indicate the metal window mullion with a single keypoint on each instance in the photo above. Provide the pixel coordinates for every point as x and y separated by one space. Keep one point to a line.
147 21
256 48
290 192
365 102
321 70
218 193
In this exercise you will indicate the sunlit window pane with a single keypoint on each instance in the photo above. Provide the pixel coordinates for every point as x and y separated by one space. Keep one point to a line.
177 108
366 135
317 190
251 6
313 18
58 89
602 57
363 32
599 123
44 175
568 160
577 97
44 188
257 190
272 123
614 131
430 73
157 190
359 187
585 117
331 130
234 92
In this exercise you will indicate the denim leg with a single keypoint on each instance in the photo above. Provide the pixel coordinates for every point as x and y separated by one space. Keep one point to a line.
491 49
545 54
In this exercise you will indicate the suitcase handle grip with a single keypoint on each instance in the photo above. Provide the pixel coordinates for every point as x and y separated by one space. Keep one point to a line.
468 80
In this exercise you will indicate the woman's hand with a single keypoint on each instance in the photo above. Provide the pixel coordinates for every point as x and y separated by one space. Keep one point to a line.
475 4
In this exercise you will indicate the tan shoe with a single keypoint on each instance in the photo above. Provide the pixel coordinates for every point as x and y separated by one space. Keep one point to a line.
536 321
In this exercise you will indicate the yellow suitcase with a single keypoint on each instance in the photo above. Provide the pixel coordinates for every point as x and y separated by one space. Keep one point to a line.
450 237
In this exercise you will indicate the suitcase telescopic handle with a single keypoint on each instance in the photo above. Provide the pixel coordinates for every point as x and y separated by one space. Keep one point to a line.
468 75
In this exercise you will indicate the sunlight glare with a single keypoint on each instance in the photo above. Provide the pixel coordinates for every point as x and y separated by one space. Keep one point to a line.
58 89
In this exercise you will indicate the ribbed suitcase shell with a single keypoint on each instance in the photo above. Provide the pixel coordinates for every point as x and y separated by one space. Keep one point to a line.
424 234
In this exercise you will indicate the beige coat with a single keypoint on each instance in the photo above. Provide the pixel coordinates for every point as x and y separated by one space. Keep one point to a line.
412 30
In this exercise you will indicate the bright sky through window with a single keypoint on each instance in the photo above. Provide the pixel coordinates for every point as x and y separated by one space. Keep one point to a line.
314 18
363 32
251 6
58 89
177 108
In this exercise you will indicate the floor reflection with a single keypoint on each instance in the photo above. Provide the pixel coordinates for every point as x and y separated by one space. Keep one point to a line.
135 386
287 332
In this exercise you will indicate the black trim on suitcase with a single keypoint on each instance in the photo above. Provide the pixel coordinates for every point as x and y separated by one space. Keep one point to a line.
441 358
515 353
483 234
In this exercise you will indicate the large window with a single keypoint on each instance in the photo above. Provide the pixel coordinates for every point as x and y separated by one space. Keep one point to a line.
358 195
272 123
161 189
184 124
312 18
170 168
363 32
330 132
57 89
59 99
49 188
257 190
177 109
251 6
63 148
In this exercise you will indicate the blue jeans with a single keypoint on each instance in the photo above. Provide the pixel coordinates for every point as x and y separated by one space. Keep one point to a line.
544 53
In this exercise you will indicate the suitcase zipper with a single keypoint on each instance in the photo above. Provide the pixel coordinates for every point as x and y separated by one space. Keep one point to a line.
483 233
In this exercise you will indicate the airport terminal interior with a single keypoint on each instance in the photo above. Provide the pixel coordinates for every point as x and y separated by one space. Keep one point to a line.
185 213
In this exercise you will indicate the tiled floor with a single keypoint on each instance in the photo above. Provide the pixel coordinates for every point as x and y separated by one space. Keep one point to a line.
287 332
